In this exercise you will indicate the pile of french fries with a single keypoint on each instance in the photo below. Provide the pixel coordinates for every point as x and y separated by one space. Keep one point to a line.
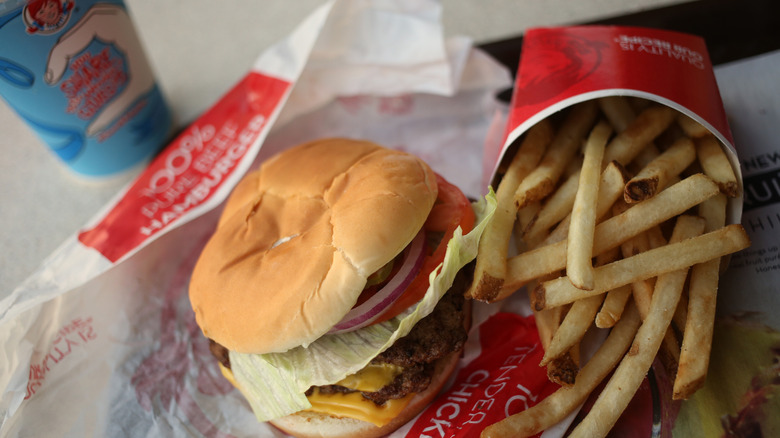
616 211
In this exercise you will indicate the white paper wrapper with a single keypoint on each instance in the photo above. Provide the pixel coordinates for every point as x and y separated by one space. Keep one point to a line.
101 340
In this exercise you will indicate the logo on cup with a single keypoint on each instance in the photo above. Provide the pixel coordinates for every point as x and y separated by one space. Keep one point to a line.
45 17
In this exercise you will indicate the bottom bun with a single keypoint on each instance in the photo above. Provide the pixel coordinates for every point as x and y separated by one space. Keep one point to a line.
307 424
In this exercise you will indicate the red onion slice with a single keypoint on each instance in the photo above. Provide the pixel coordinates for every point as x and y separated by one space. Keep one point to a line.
369 310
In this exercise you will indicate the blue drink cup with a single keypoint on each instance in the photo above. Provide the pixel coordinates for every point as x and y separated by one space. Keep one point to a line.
76 72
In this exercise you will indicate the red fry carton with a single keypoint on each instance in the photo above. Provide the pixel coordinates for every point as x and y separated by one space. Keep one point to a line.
567 65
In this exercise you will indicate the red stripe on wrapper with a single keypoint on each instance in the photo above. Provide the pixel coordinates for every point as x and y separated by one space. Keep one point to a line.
190 169
503 380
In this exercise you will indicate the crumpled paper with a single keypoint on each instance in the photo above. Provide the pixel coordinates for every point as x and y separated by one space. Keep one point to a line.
108 346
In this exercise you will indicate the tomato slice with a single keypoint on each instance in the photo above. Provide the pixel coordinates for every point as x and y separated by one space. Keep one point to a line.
451 210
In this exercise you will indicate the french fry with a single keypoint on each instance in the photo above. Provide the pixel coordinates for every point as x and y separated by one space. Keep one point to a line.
490 268
573 327
565 400
647 126
612 232
643 216
669 352
525 218
563 369
657 173
521 244
648 264
547 321
646 156
691 127
554 209
612 179
610 189
642 292
559 234
618 112
702 291
622 386
655 237
578 319
542 180
681 315
613 307
528 214
716 165
611 185
528 155
583 216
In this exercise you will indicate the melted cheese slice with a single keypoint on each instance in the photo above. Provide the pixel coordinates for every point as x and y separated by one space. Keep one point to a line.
228 375
353 405
371 378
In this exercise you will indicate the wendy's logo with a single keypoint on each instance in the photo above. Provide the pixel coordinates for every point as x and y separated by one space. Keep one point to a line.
45 17
555 63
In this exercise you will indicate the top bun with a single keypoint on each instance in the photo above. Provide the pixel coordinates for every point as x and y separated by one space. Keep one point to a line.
299 237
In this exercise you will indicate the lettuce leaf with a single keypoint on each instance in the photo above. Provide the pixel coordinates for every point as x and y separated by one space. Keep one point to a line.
274 383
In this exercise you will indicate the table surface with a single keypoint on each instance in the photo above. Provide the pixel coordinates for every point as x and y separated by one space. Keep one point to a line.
198 51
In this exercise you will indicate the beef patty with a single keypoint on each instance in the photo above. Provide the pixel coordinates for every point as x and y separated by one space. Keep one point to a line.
433 337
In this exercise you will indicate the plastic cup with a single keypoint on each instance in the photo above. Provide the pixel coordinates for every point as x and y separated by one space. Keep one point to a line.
76 73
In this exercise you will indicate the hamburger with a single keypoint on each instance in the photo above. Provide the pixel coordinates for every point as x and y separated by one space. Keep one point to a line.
332 290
